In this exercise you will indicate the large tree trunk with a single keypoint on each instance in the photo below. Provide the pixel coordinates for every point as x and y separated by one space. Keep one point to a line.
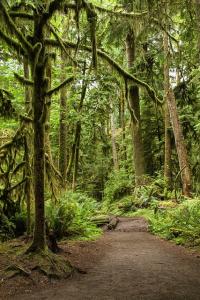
76 156
39 118
47 120
123 125
28 148
114 146
63 124
134 107
197 6
180 145
168 146
177 130
76 144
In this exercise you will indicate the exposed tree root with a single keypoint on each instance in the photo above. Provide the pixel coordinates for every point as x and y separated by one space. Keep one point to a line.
44 262
14 270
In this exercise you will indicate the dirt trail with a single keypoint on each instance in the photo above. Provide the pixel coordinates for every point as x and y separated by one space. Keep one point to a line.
135 265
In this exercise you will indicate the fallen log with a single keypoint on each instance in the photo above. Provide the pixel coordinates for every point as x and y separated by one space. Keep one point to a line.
100 220
113 223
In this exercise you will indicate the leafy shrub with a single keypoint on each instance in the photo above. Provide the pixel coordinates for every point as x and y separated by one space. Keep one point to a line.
7 228
181 224
121 197
19 221
118 186
71 215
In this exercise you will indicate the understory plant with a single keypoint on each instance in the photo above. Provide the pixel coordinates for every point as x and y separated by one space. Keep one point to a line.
181 224
70 216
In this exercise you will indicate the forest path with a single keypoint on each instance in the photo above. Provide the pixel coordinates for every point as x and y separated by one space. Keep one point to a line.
135 265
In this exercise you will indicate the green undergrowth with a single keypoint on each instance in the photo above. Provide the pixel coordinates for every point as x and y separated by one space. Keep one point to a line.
70 217
177 222
170 215
123 197
181 223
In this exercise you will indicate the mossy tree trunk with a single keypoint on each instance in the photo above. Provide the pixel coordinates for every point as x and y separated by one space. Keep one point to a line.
63 124
113 139
134 107
73 163
28 149
40 87
168 146
123 125
197 9
177 130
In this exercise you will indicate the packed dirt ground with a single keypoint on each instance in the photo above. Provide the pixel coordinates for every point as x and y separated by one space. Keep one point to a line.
127 263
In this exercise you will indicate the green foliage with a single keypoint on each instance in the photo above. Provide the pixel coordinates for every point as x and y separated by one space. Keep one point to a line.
119 184
181 224
117 192
122 198
71 215
7 227
13 226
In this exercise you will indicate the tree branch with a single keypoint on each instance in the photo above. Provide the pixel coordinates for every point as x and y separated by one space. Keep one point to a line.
60 86
62 46
125 74
23 80
53 7
12 43
121 13
22 15
13 29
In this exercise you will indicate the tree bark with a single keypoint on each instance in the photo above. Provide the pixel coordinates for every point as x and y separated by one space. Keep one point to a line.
76 144
180 145
47 121
76 156
27 150
177 130
134 107
197 9
123 125
40 87
63 124
114 146
168 146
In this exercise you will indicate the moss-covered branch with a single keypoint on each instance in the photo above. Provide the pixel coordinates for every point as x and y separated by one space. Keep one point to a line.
52 8
61 44
23 80
12 43
21 15
60 86
92 20
13 29
121 13
158 23
125 74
